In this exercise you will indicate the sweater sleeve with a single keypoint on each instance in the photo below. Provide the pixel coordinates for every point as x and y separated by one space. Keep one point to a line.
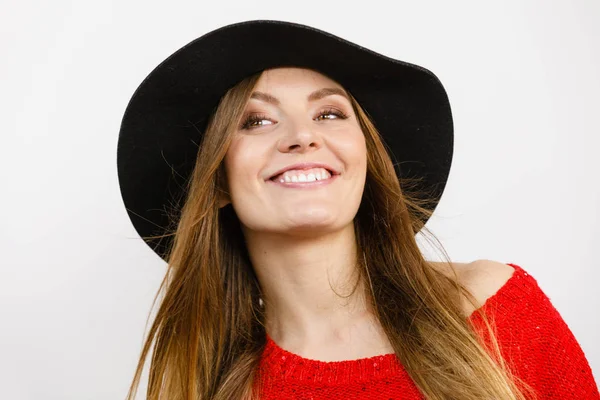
562 369
540 344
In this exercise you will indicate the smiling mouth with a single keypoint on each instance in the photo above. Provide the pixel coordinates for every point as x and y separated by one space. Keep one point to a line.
303 175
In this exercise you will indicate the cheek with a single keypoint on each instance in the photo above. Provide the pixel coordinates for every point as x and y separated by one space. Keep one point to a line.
352 148
243 163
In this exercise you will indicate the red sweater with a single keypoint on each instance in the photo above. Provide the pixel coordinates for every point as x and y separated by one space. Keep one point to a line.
530 331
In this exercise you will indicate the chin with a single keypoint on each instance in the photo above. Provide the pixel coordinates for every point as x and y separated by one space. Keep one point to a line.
314 222
298 220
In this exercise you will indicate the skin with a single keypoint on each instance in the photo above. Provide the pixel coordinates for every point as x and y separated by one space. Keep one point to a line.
301 239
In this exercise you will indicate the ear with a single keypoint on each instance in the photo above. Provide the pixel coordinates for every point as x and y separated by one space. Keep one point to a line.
223 199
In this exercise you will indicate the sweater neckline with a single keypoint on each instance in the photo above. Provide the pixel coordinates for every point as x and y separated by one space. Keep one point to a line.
285 365
290 366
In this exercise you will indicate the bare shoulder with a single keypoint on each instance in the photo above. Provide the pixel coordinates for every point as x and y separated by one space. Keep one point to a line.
486 277
483 278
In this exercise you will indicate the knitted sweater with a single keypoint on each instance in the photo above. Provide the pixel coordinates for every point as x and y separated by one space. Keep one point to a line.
531 333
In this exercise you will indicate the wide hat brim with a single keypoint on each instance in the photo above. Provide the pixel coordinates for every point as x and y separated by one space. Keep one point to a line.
164 120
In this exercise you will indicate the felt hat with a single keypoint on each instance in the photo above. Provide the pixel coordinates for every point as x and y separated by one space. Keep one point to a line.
164 120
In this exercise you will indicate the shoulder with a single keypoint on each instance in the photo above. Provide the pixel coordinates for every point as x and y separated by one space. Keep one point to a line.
531 333
483 279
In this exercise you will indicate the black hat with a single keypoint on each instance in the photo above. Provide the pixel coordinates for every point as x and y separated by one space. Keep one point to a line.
165 118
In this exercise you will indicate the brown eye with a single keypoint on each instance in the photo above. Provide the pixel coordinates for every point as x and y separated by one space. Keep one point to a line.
331 114
255 121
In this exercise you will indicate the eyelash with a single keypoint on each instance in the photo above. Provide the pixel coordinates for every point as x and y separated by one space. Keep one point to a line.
253 118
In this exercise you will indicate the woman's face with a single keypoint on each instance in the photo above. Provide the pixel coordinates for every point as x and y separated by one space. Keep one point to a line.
298 161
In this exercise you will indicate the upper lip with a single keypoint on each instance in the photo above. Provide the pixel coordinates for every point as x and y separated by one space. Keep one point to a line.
305 165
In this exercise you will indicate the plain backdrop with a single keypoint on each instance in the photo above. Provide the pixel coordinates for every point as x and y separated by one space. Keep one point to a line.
77 283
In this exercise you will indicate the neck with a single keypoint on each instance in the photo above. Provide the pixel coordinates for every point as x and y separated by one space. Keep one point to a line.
300 277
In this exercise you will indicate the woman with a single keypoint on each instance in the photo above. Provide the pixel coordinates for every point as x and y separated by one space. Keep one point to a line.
293 266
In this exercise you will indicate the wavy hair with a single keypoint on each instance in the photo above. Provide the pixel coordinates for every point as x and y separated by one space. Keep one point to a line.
209 330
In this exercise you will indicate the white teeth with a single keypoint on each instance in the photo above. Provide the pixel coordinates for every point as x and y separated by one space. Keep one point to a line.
310 175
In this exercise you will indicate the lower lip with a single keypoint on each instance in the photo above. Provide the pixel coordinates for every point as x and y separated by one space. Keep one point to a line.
304 185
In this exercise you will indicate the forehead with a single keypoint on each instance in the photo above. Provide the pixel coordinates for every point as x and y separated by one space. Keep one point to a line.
293 77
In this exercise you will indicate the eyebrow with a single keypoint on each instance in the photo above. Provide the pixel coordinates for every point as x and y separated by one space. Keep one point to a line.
314 96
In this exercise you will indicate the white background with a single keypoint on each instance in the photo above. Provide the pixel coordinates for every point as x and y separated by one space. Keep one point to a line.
76 282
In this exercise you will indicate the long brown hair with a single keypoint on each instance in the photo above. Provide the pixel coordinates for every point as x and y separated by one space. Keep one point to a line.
209 331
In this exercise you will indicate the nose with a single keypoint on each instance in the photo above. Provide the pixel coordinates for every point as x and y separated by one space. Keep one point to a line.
300 137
